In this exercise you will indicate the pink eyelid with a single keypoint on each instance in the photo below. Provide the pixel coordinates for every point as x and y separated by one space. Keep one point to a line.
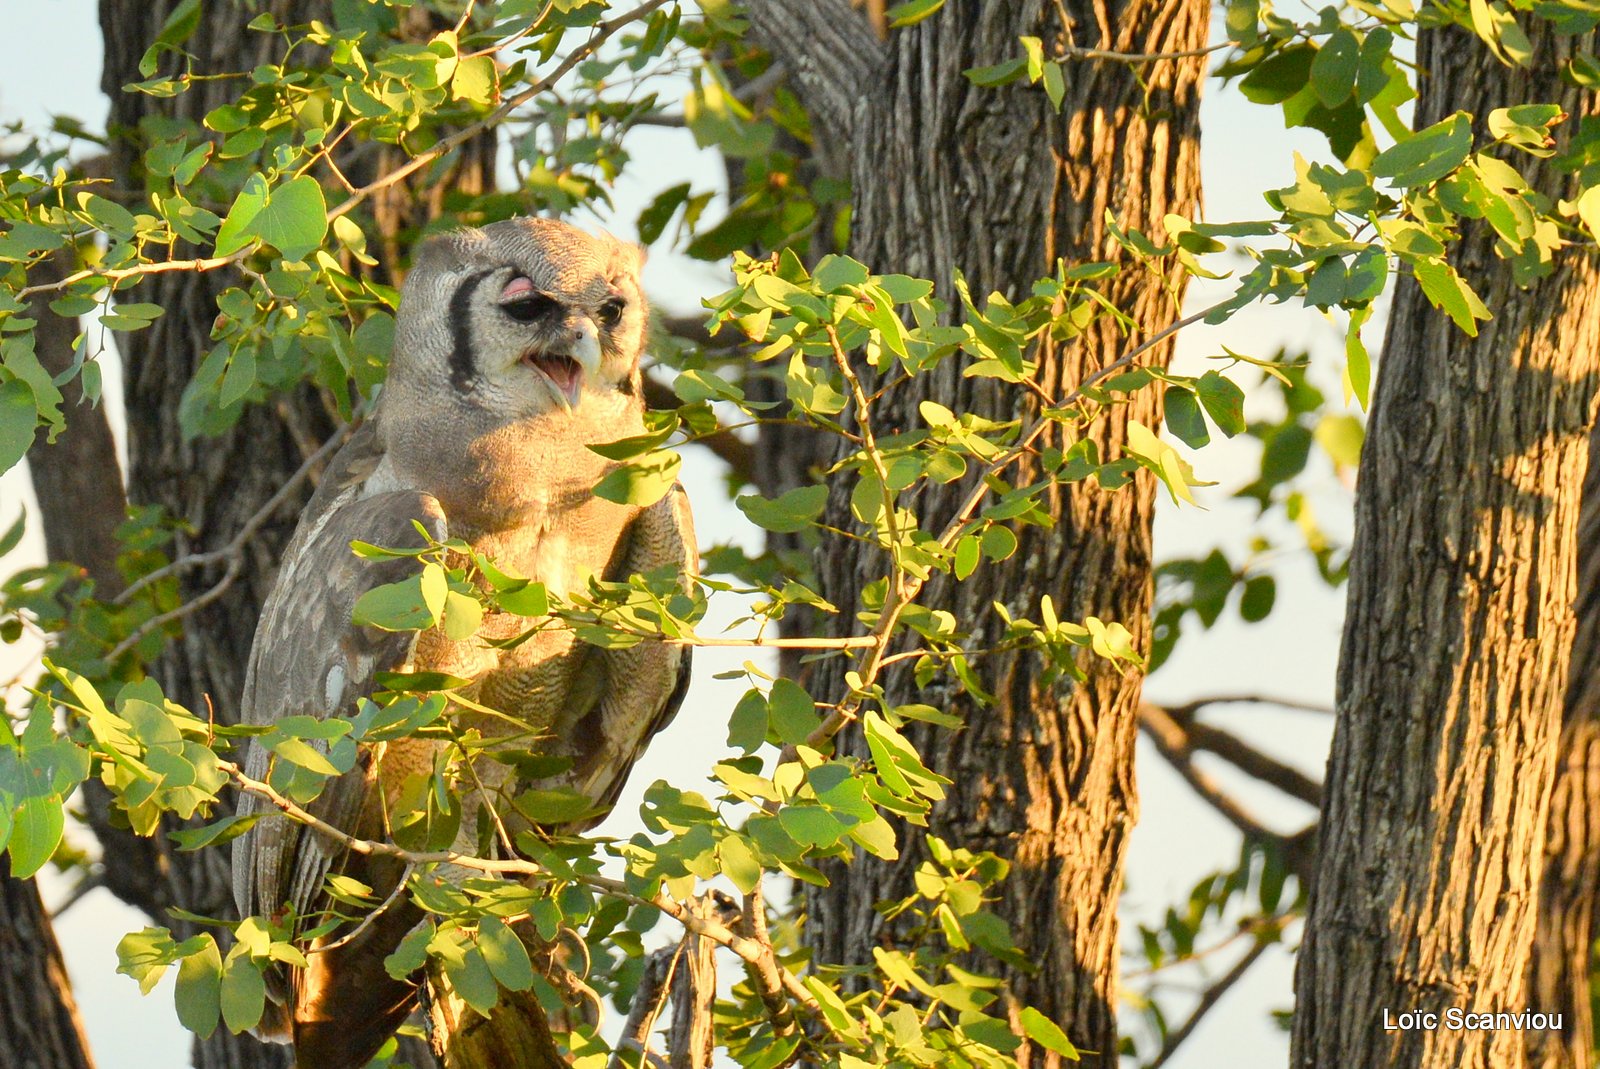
517 287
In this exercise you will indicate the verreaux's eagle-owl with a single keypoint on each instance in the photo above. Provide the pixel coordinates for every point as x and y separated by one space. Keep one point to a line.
516 346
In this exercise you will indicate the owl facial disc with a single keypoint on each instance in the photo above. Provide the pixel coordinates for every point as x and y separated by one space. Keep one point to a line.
564 369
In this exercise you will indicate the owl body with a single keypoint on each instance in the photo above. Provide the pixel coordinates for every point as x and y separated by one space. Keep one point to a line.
517 347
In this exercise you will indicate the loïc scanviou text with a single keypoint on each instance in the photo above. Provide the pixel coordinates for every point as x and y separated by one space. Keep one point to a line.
1456 1019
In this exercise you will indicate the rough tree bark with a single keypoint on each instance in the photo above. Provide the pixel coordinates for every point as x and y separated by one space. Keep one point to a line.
215 485
75 475
39 1025
1456 643
1563 948
996 183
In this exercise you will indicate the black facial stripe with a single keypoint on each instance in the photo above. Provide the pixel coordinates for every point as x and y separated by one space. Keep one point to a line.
463 361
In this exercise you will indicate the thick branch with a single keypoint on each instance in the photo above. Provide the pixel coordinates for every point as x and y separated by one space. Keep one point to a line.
648 999
1235 751
1177 746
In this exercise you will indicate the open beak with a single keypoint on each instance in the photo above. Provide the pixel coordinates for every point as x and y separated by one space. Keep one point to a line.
565 372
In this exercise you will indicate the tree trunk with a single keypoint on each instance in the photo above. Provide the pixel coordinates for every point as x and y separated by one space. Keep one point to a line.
39 1025
1457 638
215 484
75 476
998 184
1563 954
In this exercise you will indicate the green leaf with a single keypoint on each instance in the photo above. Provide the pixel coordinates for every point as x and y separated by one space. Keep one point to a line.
179 27
655 217
505 954
998 74
18 417
243 992
1427 155
811 825
462 616
293 218
912 12
1045 1032
641 482
1279 77
747 728
409 605
1341 436
792 712
1184 419
1333 71
638 445
1358 364
554 806
1255 603
199 990
1055 84
837 273
992 1033
307 756
216 833
473 981
788 513
1368 274
476 80
35 834
967 554
1223 401
13 535
1447 290
739 863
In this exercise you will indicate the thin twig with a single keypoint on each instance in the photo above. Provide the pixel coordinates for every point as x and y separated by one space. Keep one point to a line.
1073 52
1191 707
846 710
367 921
1173 742
1208 1000
236 544
602 32
119 274
1198 737
746 949
89 883
188 608
764 974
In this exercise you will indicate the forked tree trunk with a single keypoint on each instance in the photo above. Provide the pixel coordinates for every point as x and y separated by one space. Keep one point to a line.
995 182
1454 663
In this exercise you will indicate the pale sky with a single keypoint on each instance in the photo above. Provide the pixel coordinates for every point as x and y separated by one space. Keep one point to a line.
54 68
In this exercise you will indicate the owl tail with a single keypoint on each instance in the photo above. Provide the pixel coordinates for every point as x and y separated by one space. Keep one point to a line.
346 1004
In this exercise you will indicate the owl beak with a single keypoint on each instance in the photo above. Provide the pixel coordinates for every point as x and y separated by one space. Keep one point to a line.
565 372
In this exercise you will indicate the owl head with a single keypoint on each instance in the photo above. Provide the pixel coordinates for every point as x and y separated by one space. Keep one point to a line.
521 317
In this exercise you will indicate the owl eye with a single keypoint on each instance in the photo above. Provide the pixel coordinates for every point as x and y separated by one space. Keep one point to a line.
611 312
525 304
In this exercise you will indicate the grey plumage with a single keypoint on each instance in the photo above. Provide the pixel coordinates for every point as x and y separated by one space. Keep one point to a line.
516 347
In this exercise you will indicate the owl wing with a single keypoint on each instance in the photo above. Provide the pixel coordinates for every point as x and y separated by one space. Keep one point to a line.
644 684
309 658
